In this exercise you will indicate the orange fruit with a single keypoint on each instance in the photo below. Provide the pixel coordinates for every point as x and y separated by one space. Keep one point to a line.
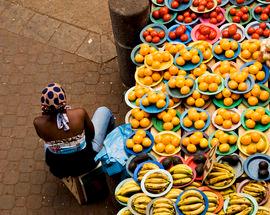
147 80
141 132
198 134
203 86
235 118
218 49
261 146
146 142
213 87
156 76
194 116
199 124
160 115
180 61
265 119
232 139
245 140
167 126
187 122
251 149
250 123
167 117
134 123
194 139
228 101
186 141
227 124
129 143
264 95
235 96
158 139
190 101
224 138
160 103
255 137
196 94
242 86
224 147
145 122
145 102
218 120
199 102
249 113
256 116
252 100
260 75
166 139
166 56
173 70
139 58
175 121
156 64
233 45
203 116
160 147
153 98
203 143
229 53
185 90
225 45
187 56
169 149
226 93
172 112
188 82
137 139
246 54
137 148
175 141
167 76
214 142
138 101
191 148
219 133
195 59
219 96
232 84
226 115
260 110
256 91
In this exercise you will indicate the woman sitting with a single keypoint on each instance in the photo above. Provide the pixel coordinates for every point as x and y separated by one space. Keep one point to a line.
71 139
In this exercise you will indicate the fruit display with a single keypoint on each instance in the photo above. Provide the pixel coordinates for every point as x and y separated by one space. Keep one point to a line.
188 58
261 12
263 211
200 70
214 200
124 211
162 15
226 120
239 203
227 99
203 6
163 206
256 117
250 50
215 17
166 143
145 168
210 84
182 175
192 202
223 68
205 48
258 190
173 71
173 48
139 203
168 162
187 17
154 34
226 49
239 14
193 185
228 191
179 33
195 119
221 176
147 77
128 188
256 70
173 102
196 99
194 142
239 82
169 120
156 99
159 60
139 52
180 86
173 194
139 119
232 32
139 141
252 142
259 95
206 32
136 160
256 30
135 94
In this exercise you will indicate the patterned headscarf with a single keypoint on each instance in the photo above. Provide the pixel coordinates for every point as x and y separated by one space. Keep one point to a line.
53 98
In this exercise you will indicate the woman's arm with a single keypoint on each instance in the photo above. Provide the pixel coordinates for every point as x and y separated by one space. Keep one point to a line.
89 128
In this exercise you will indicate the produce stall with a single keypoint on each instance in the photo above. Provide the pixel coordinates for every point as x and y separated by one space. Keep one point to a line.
199 111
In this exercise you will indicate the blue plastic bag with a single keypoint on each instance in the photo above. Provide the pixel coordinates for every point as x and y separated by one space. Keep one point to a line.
113 155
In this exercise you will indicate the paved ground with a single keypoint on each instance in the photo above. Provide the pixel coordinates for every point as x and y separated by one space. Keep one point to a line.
43 41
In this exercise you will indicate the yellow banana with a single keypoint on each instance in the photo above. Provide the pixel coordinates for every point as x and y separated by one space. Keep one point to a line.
141 199
140 206
209 213
182 181
221 178
245 212
218 169
196 184
181 169
127 212
191 193
158 175
189 208
198 211
239 201
215 174
163 205
210 194
190 200
252 188
211 205
233 209
211 209
143 172
224 166
212 199
129 190
162 200
155 180
149 166
151 186
122 199
161 210
221 183
141 211
180 176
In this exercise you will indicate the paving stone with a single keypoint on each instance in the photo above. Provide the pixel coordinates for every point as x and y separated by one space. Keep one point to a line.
3 5
19 210
68 37
11 177
8 190
108 50
22 189
20 201
40 28
38 177
15 154
15 18
33 201
7 201
35 189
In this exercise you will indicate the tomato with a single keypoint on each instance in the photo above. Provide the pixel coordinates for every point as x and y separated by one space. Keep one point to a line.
251 30
167 17
196 3
153 33
161 34
148 38
258 9
237 36
236 19
210 5
232 30
245 17
266 33
266 10
184 37
172 35
155 39
218 10
179 31
155 14
184 28
201 8
264 17
193 16
203 2
240 1
225 34
244 9
255 36
160 1
205 15
201 37
180 18
239 13
212 35
213 14
213 21
186 14
259 31
145 33
174 4
163 10
185 1
205 30
233 11
262 25
188 20
219 2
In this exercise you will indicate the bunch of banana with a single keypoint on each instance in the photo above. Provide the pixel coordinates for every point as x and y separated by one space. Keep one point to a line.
191 203
156 182
173 194
146 168
140 202
238 205
228 191
182 174
256 189
213 201
163 206
263 211
220 176
126 212
128 189
193 185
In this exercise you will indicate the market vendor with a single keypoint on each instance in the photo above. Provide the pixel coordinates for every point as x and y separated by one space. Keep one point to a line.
71 139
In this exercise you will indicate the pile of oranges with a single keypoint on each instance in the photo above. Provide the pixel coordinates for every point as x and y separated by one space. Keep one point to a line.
173 48
154 98
226 47
227 96
257 116
166 143
144 50
237 81
173 101
157 59
169 118
255 70
139 118
137 93
256 94
223 140
209 82
147 76
173 71
139 141
225 68
195 141
250 49
183 83
253 143
195 119
185 56
197 99
195 73
205 48
226 118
